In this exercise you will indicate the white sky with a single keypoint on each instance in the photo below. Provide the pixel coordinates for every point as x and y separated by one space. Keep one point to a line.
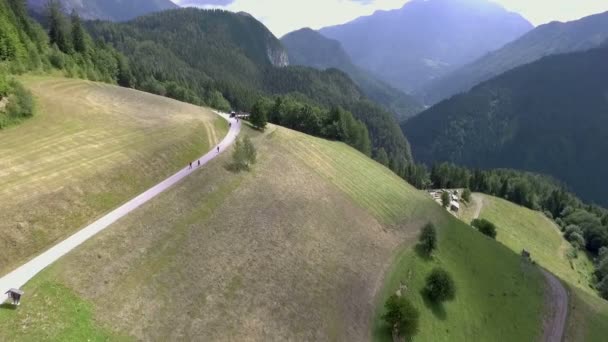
283 16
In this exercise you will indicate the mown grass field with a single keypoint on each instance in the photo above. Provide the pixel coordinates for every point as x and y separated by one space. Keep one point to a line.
89 148
298 249
521 228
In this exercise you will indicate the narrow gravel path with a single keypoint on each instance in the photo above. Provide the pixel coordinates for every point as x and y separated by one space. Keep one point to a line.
20 276
554 323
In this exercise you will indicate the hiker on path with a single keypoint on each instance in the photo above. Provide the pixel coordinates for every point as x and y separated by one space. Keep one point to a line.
218 149
199 162
190 165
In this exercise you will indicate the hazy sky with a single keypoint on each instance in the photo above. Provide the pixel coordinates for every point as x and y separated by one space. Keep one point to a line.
283 16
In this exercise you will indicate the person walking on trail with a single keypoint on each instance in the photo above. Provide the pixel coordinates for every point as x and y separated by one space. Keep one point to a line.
218 149
190 165
199 162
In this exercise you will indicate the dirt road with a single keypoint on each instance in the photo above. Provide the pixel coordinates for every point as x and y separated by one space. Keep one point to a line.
554 323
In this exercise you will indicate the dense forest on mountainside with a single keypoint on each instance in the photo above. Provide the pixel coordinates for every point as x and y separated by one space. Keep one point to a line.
115 10
309 48
24 46
548 117
548 39
426 39
225 60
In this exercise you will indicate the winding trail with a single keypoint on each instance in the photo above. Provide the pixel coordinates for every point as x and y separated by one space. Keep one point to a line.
20 276
554 324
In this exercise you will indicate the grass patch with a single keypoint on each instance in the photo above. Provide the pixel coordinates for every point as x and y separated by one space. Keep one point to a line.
52 312
521 228
487 276
588 317
90 148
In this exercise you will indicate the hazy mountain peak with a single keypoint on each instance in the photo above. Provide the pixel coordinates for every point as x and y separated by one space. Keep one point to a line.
426 39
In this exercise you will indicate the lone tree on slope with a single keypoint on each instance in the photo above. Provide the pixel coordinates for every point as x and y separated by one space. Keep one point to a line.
440 286
401 316
428 239
259 117
445 199
485 227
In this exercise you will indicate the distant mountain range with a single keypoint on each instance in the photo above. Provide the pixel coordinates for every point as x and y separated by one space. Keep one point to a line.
426 39
550 116
549 39
114 10
309 48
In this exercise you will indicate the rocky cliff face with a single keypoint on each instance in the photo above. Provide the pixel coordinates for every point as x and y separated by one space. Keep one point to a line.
278 57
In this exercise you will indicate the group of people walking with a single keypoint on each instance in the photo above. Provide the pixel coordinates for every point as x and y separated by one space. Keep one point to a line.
198 162
217 148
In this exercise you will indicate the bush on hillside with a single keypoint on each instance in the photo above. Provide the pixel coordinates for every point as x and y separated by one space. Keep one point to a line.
602 287
259 116
445 199
466 195
428 239
244 154
20 105
440 286
485 227
577 240
401 316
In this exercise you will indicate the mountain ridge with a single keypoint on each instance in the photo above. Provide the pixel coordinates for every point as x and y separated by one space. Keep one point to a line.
434 37
552 38
547 117
113 10
309 48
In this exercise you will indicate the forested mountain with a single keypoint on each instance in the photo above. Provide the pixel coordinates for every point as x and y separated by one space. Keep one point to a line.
115 10
212 56
549 116
310 48
426 39
549 39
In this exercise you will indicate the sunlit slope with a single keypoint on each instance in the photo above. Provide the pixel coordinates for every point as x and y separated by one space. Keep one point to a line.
89 148
521 228
297 249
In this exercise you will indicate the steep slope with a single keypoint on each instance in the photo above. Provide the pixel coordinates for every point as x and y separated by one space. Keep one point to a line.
297 249
83 153
428 38
310 48
547 117
114 10
521 228
210 54
549 39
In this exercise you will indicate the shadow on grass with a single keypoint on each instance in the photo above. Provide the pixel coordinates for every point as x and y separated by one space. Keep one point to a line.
436 308
235 168
422 253
7 306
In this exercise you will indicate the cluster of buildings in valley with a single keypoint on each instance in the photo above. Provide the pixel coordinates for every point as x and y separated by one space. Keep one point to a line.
454 205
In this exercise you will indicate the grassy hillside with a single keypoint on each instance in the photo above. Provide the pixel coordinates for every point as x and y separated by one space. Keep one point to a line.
89 147
588 319
296 249
521 228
